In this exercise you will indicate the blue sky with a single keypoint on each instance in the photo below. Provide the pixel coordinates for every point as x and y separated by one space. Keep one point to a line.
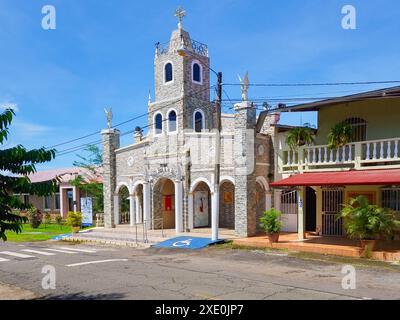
102 52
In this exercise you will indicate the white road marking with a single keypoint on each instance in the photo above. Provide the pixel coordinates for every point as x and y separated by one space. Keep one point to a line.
62 251
39 252
3 259
15 254
93 262
79 250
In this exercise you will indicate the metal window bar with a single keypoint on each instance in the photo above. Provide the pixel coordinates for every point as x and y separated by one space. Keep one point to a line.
332 200
289 202
391 198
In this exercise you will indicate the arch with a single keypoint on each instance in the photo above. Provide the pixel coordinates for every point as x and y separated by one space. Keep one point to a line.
158 124
227 178
172 121
168 72
123 204
197 181
261 180
198 120
137 184
197 72
227 203
164 206
120 185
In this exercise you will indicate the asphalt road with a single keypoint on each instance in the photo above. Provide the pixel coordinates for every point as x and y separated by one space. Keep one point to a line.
99 272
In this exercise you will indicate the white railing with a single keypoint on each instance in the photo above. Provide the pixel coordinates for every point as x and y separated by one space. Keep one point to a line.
357 155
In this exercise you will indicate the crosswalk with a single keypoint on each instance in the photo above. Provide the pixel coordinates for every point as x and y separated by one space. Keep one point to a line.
7 256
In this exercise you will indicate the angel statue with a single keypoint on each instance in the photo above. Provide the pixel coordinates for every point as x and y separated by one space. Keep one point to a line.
109 115
245 86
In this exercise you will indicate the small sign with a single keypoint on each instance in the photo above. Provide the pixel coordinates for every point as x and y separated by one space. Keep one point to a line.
87 211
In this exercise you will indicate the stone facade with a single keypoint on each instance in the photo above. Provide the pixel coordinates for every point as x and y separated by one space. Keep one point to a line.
170 172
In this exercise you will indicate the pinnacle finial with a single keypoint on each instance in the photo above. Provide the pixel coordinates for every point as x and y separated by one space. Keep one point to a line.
180 13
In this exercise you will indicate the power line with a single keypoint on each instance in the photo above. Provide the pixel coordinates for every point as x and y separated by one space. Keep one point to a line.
314 84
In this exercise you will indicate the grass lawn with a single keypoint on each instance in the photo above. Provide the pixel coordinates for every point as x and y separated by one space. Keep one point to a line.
43 233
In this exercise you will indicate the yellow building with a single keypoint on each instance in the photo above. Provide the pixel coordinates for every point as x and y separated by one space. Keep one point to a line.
313 181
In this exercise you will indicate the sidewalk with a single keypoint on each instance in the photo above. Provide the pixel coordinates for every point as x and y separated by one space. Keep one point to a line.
8 292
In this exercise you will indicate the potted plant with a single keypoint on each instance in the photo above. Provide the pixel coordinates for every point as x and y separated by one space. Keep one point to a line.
300 136
339 135
367 222
272 224
74 219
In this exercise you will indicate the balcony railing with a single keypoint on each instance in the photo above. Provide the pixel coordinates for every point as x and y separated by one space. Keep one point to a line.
372 154
175 44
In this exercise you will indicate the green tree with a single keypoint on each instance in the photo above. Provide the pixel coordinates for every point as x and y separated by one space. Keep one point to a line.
16 164
300 136
339 135
89 182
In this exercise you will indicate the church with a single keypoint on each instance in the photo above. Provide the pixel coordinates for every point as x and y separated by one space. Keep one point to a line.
167 176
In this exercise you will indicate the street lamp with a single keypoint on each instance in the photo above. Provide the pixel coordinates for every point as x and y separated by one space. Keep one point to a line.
183 52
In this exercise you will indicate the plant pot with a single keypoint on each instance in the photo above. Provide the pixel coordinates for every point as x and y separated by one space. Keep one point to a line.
76 229
368 245
273 237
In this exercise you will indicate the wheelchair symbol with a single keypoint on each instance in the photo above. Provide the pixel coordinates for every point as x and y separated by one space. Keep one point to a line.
183 243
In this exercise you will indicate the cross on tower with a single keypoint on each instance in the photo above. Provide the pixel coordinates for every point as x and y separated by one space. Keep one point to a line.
180 13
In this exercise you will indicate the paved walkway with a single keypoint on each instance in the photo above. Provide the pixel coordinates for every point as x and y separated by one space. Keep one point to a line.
126 235
386 250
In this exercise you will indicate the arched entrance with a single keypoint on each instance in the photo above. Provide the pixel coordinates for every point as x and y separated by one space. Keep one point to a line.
227 205
123 203
164 204
201 205
138 203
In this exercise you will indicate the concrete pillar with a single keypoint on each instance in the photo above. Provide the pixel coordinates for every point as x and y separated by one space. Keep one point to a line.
245 179
62 201
178 206
132 208
110 143
191 211
214 214
146 204
75 199
268 200
116 210
301 193
277 199
139 216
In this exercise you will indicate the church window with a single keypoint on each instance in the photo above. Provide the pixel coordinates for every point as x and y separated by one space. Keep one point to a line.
196 72
168 72
172 121
158 123
198 121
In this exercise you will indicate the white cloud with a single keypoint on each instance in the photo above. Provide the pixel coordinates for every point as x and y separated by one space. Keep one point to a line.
9 105
29 129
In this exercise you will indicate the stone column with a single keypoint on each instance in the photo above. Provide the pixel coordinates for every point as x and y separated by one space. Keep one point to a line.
190 211
268 200
110 143
301 213
132 208
178 207
245 179
116 210
146 204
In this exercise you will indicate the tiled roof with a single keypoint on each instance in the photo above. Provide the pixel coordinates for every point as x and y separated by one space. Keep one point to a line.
64 175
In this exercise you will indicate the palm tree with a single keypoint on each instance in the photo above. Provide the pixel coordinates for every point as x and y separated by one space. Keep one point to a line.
300 136
339 135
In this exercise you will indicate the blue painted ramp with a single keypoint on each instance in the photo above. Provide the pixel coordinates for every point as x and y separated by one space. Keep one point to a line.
186 243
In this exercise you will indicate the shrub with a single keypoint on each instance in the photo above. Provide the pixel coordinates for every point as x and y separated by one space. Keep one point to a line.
59 219
365 221
270 221
74 219
35 217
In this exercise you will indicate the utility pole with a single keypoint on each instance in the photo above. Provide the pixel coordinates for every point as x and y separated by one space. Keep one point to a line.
217 168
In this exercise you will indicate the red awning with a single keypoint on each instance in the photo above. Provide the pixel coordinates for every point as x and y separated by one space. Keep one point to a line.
342 178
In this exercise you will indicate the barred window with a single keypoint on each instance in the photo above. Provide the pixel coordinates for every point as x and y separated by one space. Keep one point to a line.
391 198
359 129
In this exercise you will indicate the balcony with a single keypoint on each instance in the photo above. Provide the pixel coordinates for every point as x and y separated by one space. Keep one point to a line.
173 45
373 154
